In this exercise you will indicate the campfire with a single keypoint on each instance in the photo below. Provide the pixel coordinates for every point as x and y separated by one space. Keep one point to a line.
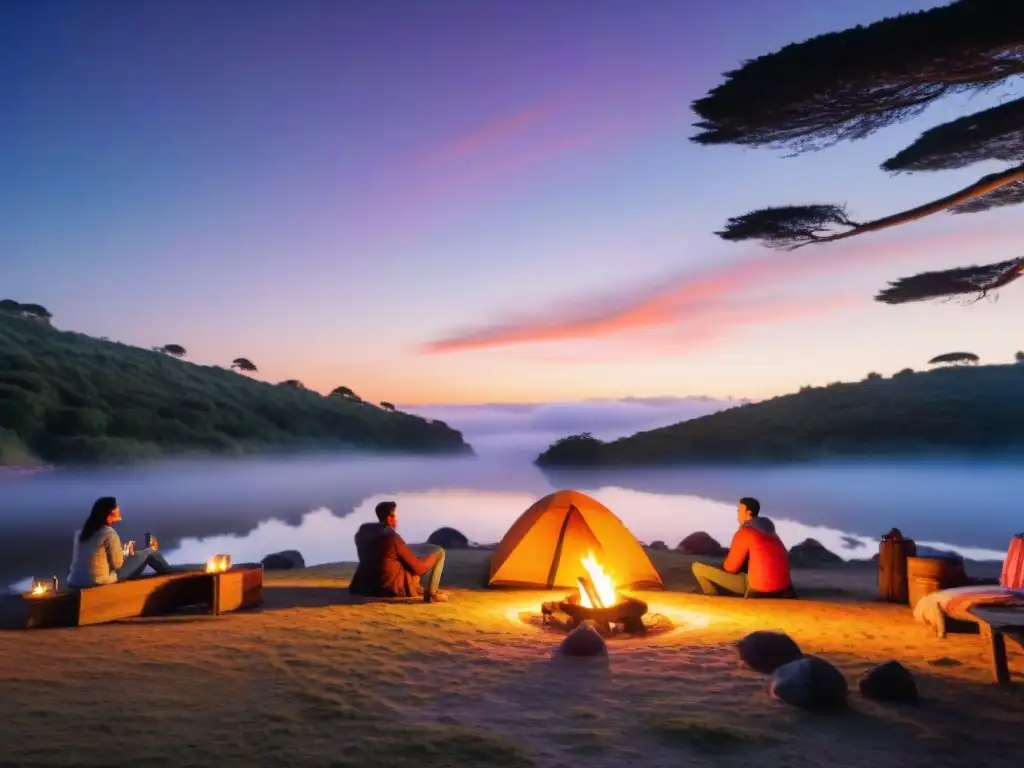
597 600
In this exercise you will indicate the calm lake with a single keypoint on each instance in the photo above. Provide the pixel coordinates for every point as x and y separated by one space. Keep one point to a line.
252 507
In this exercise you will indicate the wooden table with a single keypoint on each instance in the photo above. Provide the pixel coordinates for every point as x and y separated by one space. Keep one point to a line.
995 622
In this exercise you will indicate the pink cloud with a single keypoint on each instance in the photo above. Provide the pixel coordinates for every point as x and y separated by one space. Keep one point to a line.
690 310
495 131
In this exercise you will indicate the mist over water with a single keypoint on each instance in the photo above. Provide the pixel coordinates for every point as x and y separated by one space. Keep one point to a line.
251 507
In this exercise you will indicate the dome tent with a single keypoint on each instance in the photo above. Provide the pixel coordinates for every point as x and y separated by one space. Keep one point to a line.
543 548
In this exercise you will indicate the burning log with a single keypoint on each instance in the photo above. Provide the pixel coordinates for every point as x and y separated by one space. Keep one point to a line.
598 601
587 588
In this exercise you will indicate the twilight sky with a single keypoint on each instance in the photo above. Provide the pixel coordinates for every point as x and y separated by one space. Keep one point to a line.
458 201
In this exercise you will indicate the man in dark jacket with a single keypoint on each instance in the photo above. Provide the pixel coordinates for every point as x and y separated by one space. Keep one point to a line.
387 567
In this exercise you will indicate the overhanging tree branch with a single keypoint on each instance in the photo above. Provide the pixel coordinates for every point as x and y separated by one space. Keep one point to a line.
974 282
849 84
792 227
992 134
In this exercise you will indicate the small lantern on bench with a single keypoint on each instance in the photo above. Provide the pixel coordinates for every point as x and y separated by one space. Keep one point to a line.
218 564
42 587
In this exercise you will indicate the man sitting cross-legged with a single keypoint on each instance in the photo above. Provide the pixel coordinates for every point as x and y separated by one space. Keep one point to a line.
387 567
757 564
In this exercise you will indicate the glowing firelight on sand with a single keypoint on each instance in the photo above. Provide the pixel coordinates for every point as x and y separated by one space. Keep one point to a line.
38 589
603 583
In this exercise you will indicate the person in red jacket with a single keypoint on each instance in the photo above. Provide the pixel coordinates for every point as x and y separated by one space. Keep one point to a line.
757 564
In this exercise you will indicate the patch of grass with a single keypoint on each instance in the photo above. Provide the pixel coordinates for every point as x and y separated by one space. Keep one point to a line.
433 746
703 734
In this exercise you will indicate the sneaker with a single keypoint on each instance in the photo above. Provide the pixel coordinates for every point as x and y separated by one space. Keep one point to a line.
437 597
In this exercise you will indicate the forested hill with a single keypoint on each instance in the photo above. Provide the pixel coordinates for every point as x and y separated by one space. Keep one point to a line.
66 397
949 410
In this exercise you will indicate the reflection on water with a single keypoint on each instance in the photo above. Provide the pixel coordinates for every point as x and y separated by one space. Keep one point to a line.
251 508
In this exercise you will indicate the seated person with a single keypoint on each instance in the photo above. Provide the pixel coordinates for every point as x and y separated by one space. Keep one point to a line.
387 567
99 557
757 564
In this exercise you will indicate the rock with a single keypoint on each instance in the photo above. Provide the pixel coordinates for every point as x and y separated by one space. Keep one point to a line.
700 543
810 554
888 681
766 651
583 641
448 538
659 545
283 561
810 683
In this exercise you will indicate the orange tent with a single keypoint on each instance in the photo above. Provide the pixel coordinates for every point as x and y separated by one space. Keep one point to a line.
543 548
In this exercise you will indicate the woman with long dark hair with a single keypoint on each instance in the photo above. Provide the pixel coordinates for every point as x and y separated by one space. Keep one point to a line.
100 558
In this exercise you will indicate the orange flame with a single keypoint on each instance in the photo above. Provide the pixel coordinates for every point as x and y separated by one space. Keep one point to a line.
603 583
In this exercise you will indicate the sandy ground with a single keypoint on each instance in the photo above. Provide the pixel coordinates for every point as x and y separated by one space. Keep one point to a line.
314 679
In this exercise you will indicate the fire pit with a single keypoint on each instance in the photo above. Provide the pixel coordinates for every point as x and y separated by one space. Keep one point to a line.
597 600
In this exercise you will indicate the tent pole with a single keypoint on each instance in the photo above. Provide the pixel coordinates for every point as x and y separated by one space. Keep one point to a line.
558 547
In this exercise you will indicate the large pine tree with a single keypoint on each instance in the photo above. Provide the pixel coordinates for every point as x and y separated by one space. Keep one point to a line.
847 85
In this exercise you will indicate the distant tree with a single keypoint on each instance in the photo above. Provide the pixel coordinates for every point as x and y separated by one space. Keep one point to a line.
28 311
243 364
873 376
345 394
387 406
174 350
581 450
36 312
827 89
293 383
1019 357
904 372
955 358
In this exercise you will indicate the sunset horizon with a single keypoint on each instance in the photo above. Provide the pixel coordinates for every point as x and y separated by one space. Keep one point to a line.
431 234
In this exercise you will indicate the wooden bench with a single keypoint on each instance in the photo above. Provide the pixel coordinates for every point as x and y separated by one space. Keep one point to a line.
995 622
149 596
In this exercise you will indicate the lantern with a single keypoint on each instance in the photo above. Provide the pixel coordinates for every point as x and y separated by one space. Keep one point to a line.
218 564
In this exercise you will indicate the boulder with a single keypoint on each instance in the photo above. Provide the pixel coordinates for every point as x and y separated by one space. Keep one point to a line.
659 545
810 683
701 543
448 538
888 681
287 560
766 651
583 641
810 553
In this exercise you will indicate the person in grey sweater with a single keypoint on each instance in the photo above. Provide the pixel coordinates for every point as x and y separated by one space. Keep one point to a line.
99 557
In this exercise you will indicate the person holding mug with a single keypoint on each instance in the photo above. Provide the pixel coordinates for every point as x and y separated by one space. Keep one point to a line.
99 557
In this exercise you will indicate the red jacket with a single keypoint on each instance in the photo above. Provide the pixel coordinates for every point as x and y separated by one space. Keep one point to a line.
765 557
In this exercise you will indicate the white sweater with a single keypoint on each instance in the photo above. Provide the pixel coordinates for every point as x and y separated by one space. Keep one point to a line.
95 561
